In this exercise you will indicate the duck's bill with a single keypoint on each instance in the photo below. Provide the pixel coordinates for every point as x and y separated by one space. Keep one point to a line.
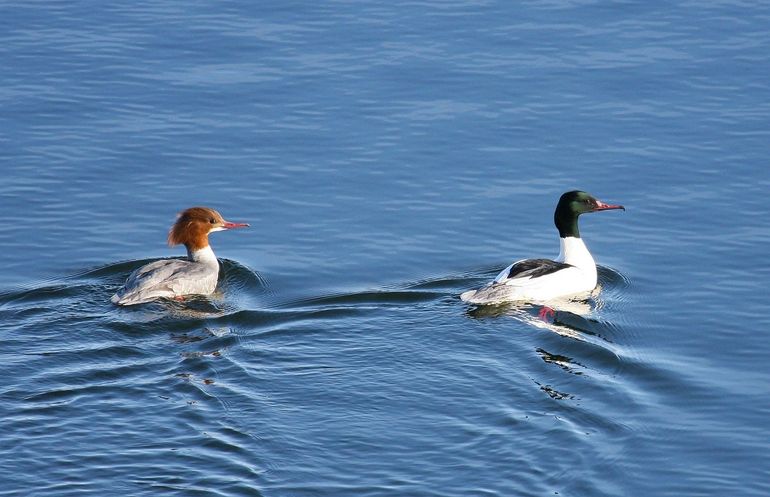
229 226
601 206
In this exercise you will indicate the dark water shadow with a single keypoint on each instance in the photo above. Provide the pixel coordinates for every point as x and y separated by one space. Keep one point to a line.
418 292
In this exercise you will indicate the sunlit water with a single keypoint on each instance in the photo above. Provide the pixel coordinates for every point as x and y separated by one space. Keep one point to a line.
388 157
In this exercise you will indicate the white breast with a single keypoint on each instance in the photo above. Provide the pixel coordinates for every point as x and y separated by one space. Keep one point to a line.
578 279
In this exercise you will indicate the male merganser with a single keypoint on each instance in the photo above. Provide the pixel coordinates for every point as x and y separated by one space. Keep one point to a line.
174 278
571 274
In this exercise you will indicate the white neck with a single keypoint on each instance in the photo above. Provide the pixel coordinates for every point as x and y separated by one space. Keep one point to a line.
204 255
573 251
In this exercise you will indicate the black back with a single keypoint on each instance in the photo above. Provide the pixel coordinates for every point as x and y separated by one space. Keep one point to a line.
536 267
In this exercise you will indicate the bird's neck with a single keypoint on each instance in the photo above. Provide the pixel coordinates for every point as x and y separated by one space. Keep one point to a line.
203 255
566 221
574 252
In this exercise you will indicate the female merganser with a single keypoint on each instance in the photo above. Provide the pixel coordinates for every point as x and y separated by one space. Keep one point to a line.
571 274
174 278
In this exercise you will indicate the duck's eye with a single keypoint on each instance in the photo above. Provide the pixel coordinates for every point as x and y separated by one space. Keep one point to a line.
212 220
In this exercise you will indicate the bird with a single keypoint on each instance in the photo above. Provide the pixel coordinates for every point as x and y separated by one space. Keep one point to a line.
176 278
571 274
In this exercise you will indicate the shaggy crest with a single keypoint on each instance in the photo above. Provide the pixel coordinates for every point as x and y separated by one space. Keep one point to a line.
193 226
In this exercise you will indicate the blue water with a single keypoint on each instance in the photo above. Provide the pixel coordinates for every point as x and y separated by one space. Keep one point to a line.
388 157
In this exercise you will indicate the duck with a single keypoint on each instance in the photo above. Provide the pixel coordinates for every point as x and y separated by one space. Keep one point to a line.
178 278
572 274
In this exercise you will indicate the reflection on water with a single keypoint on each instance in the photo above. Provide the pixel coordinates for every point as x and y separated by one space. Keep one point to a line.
555 394
566 363
570 318
579 319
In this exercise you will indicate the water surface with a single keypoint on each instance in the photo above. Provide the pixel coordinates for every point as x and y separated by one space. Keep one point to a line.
388 158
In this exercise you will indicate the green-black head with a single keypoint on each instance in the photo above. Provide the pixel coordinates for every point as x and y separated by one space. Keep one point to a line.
573 204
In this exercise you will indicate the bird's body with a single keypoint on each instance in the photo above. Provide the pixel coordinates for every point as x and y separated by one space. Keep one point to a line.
572 273
175 278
